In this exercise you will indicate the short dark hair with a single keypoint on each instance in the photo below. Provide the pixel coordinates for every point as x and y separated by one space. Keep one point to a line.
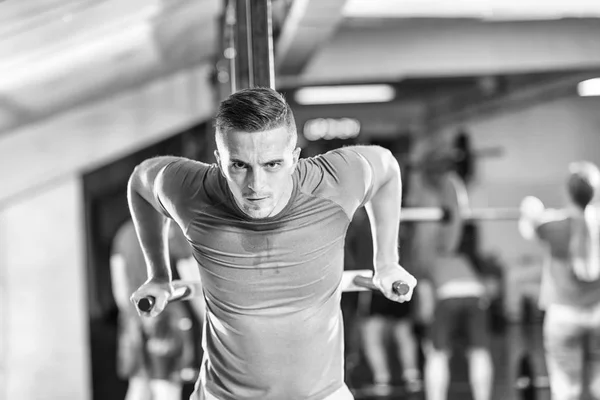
583 182
255 110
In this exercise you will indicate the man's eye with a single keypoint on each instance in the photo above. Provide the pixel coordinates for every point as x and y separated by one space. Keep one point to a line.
272 165
238 165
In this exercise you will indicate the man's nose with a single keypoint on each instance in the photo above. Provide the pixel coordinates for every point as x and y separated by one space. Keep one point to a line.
256 180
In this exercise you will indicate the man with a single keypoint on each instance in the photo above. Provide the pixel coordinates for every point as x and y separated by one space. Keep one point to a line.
267 230
570 289
452 296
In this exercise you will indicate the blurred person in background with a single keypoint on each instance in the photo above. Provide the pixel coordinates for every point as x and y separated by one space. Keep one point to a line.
386 320
154 354
570 289
452 296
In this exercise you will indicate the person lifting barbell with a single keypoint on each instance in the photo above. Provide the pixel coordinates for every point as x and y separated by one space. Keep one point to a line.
571 283
451 295
158 355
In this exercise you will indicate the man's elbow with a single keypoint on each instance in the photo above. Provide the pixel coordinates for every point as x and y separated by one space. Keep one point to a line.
383 164
142 180
144 174
383 153
391 167
135 179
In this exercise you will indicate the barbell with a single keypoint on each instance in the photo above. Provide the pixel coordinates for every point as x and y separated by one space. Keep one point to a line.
439 214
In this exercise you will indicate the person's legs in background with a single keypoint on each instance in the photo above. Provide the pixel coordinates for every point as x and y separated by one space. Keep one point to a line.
481 373
437 372
593 363
408 352
438 350
481 367
592 359
374 332
131 364
563 342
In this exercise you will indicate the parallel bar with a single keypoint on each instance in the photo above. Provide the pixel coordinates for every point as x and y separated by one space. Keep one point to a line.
184 292
352 281
495 214
399 287
348 283
263 69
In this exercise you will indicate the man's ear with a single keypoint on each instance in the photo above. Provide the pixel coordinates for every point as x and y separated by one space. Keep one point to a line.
296 153
216 153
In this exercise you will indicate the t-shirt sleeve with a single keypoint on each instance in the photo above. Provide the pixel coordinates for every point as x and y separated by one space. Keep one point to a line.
547 227
343 176
177 189
543 230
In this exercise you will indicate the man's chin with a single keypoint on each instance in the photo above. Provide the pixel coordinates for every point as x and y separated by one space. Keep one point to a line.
257 213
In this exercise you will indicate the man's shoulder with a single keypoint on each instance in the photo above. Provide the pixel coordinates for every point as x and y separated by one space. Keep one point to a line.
323 169
334 162
184 180
337 175
186 166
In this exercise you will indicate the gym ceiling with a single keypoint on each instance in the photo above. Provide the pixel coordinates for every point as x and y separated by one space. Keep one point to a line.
58 54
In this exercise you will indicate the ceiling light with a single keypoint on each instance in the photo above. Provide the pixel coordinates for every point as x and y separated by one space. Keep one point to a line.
590 87
497 10
348 94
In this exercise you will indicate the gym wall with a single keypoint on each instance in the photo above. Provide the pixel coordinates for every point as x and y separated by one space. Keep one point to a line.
43 298
538 142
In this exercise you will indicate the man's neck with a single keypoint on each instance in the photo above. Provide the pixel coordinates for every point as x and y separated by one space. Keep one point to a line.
284 199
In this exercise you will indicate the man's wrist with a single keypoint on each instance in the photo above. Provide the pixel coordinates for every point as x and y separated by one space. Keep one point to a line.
160 277
384 265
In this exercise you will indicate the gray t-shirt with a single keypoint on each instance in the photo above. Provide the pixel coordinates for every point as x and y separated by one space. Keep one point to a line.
272 286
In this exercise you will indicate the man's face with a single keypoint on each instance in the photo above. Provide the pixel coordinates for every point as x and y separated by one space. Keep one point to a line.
258 167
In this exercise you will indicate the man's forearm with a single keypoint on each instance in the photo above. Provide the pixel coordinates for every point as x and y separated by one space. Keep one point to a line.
384 215
152 230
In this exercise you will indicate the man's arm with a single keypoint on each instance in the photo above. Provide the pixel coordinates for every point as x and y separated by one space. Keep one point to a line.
385 203
535 218
384 206
532 211
151 225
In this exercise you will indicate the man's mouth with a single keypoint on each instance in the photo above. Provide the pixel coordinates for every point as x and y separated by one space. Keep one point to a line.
256 198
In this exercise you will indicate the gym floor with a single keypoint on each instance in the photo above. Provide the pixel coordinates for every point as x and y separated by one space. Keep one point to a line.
507 348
